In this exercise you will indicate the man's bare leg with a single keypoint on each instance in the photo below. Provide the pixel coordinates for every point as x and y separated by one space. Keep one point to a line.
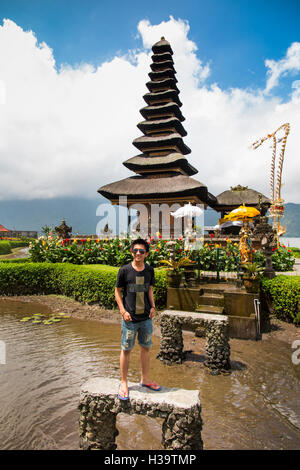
124 365
145 364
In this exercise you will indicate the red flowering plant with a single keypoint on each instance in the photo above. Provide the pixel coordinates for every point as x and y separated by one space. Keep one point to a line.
116 252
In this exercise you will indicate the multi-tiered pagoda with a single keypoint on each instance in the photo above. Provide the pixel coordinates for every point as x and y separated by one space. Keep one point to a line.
163 171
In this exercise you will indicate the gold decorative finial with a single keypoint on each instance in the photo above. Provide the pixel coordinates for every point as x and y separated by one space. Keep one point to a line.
162 38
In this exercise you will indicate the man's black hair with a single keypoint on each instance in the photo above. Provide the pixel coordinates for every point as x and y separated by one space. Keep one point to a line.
140 241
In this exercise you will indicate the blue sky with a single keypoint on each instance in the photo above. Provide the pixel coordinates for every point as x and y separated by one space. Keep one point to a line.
235 36
73 73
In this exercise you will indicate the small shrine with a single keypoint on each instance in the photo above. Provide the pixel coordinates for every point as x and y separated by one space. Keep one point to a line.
163 173
63 230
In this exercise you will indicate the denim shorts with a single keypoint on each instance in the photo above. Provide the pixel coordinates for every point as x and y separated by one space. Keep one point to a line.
129 330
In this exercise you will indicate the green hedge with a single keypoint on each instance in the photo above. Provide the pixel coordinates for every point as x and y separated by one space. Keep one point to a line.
5 247
15 260
284 292
296 252
18 243
89 283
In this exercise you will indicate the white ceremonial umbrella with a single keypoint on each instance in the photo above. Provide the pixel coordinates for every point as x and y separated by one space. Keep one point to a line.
187 211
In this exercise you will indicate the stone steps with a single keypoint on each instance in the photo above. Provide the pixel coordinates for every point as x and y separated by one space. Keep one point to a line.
212 309
211 299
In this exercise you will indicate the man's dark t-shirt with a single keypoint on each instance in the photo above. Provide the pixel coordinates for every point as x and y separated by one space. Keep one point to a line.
135 286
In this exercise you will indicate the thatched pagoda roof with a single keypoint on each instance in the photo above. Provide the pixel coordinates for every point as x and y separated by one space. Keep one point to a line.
167 141
163 171
140 163
162 46
159 75
169 108
162 57
141 186
163 95
246 196
168 82
164 65
162 124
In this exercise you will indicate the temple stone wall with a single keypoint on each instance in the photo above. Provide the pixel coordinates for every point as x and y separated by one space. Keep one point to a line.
99 406
19 233
216 332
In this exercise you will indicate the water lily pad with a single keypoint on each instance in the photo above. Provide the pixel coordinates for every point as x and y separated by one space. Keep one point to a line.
25 319
47 322
56 319
37 321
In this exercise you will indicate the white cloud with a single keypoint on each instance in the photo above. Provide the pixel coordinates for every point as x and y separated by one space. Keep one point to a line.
67 131
289 64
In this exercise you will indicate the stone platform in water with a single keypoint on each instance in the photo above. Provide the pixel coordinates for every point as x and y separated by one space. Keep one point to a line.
216 332
99 406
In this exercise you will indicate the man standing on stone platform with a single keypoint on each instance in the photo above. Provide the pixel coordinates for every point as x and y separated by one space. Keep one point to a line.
137 308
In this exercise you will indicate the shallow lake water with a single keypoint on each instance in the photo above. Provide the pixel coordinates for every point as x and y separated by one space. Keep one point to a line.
256 407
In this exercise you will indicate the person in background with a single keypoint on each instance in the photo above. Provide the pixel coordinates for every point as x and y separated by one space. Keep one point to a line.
137 308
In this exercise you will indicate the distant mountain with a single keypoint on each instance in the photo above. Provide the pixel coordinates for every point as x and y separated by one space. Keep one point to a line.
291 220
80 214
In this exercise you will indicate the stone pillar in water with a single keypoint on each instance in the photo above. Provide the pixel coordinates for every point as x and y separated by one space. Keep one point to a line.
217 346
97 424
171 341
181 431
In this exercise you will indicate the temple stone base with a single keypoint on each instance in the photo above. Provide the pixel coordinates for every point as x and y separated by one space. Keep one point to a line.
99 406
216 332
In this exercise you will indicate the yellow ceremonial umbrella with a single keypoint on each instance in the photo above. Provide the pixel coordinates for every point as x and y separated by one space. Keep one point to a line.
242 213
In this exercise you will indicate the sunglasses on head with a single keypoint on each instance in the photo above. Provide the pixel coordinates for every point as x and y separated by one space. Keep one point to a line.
136 250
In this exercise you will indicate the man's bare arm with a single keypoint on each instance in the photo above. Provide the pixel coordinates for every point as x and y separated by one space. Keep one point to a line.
119 300
152 302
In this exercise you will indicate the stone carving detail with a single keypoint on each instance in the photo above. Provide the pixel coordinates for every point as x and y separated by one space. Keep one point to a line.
99 406
216 333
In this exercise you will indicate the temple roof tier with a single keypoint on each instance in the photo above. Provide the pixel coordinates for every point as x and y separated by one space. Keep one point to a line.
154 188
162 85
161 66
161 47
171 124
162 57
167 110
142 163
236 197
146 143
160 75
163 97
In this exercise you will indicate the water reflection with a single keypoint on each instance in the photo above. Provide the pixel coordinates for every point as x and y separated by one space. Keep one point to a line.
255 407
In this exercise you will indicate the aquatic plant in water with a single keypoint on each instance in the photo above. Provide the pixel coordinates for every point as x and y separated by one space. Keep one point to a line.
37 318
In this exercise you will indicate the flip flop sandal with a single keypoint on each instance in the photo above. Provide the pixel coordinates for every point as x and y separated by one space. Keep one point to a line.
123 398
152 386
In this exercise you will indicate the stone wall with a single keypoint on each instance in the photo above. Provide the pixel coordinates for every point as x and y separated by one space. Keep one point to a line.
99 406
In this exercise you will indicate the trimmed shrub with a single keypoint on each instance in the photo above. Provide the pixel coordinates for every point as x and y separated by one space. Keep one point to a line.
88 283
18 243
5 247
284 292
15 260
296 252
